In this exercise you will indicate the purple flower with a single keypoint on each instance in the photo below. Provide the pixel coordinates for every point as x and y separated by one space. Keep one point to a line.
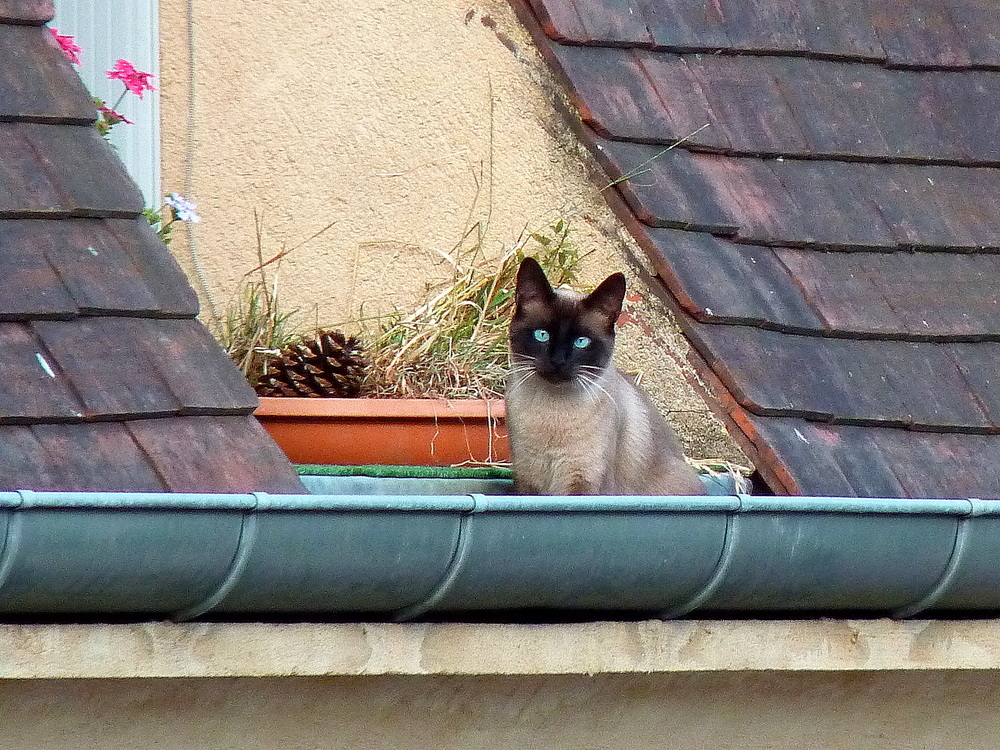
182 207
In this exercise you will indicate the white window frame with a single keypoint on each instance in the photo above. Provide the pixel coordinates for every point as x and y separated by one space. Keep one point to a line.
109 30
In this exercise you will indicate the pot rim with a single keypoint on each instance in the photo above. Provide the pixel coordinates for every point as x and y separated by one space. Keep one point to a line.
276 406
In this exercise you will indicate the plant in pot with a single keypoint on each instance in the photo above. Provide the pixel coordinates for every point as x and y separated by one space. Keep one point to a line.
428 388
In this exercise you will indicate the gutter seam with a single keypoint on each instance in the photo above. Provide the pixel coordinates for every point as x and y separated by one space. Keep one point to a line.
718 575
248 535
455 567
11 545
944 582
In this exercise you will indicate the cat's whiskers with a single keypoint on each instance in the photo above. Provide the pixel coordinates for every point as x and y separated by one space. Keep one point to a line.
520 375
524 379
587 388
595 375
593 381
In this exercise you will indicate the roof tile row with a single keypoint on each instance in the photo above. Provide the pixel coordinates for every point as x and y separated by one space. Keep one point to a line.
37 82
865 294
906 33
946 387
851 461
115 368
26 11
785 105
176 454
62 268
63 170
817 203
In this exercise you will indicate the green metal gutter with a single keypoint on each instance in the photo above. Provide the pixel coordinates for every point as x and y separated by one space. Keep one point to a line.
184 556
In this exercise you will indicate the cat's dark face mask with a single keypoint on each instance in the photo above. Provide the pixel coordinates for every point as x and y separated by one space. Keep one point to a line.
563 336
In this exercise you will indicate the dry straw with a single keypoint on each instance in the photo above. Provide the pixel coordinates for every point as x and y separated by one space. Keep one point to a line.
255 328
454 345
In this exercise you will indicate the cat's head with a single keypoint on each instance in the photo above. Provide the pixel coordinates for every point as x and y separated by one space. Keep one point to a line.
562 336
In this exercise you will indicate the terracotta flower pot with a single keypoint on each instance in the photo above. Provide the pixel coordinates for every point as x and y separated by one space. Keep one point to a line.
412 432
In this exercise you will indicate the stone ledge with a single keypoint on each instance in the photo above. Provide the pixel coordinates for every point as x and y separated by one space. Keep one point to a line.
161 649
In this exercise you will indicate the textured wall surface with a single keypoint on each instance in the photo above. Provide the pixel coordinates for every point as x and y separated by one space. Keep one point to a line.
404 123
687 684
684 712
159 649
407 124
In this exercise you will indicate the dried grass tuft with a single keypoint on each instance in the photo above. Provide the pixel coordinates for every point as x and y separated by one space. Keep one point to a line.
718 467
454 345
255 327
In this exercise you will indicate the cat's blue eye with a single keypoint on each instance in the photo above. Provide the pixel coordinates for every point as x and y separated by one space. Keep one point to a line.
582 342
541 335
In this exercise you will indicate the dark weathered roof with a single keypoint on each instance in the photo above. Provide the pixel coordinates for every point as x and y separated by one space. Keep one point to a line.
107 381
830 241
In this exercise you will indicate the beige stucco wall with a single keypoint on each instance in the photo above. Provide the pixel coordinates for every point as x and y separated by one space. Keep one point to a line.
404 123
687 685
887 711
169 650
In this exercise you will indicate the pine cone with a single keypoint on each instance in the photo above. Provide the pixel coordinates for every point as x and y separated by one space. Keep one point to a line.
326 366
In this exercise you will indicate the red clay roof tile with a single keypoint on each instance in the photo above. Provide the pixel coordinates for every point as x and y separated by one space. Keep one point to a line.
919 32
26 11
835 29
25 188
747 105
43 392
37 82
99 457
978 26
107 365
88 176
203 453
158 270
32 287
834 261
198 374
99 276
681 95
112 383
724 282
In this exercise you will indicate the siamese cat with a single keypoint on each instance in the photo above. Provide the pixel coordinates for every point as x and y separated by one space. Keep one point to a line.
577 425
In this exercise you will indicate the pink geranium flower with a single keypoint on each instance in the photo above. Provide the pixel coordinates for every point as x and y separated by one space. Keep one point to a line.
111 116
68 45
135 80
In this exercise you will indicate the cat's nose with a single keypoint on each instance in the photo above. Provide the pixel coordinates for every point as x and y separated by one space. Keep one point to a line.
559 372
559 361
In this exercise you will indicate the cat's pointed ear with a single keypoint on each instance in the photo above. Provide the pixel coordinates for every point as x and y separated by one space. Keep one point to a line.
533 289
607 299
